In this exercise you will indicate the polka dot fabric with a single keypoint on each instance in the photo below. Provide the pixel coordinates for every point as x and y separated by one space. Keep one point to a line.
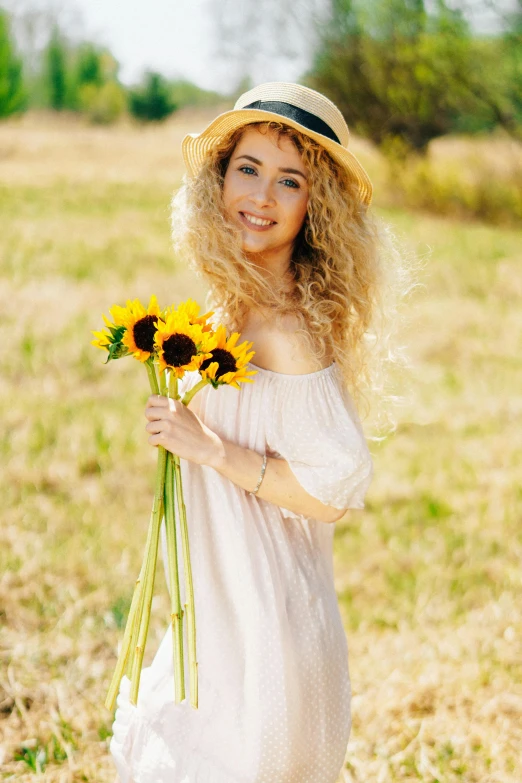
274 685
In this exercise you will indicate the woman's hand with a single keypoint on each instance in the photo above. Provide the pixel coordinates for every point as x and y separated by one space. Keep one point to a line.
176 428
179 430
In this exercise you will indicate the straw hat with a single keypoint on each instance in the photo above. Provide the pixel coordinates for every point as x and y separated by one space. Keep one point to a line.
299 107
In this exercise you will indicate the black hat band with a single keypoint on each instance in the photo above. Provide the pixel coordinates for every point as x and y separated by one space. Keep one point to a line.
303 117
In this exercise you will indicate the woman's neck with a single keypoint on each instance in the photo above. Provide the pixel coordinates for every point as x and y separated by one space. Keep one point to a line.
275 269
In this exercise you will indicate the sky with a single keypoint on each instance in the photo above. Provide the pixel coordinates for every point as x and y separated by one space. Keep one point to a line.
174 37
183 38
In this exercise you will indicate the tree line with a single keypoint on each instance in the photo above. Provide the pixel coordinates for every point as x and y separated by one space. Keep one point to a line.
402 72
83 77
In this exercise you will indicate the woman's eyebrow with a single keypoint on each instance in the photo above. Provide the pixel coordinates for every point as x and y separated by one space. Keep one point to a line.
286 171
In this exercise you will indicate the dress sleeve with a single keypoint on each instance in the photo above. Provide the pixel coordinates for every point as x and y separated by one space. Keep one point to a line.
315 427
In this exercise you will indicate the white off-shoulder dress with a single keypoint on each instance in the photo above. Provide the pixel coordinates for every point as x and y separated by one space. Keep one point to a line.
274 685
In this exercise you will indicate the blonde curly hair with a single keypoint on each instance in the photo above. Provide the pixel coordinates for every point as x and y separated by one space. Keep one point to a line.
348 275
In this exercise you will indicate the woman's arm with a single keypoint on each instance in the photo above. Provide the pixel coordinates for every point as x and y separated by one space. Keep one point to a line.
279 485
180 431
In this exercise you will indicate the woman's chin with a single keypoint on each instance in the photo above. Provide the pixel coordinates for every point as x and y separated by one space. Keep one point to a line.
253 247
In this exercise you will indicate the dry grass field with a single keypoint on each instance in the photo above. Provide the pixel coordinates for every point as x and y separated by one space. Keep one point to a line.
428 576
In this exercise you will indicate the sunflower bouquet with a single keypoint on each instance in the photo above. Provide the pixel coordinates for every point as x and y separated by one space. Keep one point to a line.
169 343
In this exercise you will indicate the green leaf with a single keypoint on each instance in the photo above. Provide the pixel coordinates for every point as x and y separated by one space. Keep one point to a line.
117 332
116 351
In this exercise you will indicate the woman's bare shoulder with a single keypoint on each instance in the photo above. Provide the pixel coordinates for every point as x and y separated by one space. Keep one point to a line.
281 349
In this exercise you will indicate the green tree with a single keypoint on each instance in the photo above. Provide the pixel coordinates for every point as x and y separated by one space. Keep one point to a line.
103 105
89 66
56 71
511 54
12 94
185 93
99 95
403 76
152 101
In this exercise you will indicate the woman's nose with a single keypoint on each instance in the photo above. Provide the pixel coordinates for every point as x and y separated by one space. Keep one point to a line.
263 193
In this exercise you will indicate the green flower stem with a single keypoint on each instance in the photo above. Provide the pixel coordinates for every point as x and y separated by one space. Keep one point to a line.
189 590
144 577
145 574
175 596
151 560
163 383
134 620
173 385
168 484
150 574
153 382
149 364
130 638
123 657
173 560
190 394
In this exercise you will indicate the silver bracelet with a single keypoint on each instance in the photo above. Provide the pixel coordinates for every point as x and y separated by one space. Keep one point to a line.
261 475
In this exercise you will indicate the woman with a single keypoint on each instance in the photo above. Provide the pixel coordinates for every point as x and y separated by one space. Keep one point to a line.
274 215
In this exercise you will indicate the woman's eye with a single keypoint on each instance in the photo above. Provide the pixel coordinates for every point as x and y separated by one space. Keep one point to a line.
249 170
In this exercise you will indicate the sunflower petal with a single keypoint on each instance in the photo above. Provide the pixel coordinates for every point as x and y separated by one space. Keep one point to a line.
232 340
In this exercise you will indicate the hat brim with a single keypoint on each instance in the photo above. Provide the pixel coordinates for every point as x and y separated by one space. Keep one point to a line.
196 146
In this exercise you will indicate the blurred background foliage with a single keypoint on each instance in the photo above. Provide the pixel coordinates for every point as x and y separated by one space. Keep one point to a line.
401 71
82 77
405 73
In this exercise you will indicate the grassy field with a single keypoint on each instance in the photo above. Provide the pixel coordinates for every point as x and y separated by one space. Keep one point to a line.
428 576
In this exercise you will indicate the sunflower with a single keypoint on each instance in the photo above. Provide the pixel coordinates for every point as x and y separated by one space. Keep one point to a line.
228 361
140 326
111 340
181 346
103 338
190 308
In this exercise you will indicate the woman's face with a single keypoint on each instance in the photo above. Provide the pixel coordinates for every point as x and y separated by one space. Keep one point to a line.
266 193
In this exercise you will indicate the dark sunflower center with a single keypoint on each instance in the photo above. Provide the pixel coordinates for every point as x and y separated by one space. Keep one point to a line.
144 331
178 350
226 362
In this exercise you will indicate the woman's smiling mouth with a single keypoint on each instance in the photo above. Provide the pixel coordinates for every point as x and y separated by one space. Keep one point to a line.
256 223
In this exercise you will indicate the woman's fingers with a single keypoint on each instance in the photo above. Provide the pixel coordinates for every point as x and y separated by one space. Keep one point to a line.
158 402
158 399
174 427
158 439
157 425
159 407
156 413
159 412
159 431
